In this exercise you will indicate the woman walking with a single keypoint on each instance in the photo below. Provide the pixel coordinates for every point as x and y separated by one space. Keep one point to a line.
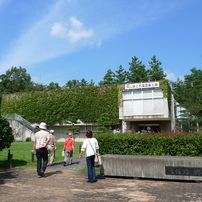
90 145
68 150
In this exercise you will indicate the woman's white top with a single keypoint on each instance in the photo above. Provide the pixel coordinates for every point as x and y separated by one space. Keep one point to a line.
90 145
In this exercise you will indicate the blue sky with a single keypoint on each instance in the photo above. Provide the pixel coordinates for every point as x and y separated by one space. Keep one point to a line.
61 40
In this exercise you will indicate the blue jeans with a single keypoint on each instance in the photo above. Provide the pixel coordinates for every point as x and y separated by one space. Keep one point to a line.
41 154
91 168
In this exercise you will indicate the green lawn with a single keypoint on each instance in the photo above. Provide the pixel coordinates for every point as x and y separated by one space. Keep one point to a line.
22 157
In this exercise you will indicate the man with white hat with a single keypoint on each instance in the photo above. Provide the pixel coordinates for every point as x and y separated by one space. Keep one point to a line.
51 147
42 139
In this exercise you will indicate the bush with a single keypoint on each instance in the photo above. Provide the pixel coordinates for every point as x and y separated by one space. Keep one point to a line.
154 144
6 136
28 139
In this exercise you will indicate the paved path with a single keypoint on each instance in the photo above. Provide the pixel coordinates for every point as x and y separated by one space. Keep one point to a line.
77 164
65 184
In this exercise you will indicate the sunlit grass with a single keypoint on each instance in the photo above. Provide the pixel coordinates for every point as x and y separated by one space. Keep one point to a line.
22 157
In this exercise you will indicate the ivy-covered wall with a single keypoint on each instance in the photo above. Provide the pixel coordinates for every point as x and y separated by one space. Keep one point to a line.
54 106
164 85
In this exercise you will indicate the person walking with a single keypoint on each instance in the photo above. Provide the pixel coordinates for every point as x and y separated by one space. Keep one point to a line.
90 145
68 150
51 147
42 139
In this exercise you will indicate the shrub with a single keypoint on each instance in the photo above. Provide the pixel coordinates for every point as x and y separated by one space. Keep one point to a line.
28 139
6 136
154 144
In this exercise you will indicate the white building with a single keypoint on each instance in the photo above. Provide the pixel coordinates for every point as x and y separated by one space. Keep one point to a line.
144 107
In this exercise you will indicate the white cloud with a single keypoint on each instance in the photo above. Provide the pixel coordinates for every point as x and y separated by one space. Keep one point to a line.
42 39
75 32
170 76
58 30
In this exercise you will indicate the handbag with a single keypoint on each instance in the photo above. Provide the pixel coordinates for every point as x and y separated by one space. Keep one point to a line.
63 153
33 152
96 160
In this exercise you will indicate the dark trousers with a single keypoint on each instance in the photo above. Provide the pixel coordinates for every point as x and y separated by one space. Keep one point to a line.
41 154
91 168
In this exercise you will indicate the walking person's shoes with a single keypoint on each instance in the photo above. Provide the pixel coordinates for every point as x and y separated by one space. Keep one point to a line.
64 164
94 180
42 174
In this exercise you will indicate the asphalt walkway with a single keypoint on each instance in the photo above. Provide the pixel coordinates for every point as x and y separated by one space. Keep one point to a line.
77 164
65 183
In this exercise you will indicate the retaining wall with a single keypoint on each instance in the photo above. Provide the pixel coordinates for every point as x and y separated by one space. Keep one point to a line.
157 167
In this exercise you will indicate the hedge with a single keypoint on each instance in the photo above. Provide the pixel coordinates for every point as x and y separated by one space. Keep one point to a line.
154 144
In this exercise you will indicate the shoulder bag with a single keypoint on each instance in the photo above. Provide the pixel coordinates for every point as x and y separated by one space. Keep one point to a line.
96 155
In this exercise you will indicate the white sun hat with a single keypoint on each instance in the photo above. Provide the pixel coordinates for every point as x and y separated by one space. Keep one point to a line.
42 125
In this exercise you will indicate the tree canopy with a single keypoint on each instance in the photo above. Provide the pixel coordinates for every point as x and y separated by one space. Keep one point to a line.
15 80
6 136
188 93
156 73
76 83
137 73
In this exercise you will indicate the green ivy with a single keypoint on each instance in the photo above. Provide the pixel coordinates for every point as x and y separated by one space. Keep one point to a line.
55 106
164 85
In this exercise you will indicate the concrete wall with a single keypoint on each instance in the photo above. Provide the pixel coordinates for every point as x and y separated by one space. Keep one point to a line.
157 167
20 132
62 130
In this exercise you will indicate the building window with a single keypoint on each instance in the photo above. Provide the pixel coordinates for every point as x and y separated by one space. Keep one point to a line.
143 102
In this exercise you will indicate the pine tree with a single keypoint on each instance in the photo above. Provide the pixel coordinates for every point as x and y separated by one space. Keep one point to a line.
108 79
188 93
137 72
120 75
156 73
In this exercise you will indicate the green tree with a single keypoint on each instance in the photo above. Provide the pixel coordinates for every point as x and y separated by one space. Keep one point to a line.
156 73
108 79
38 87
6 136
76 83
92 83
104 122
52 86
72 84
15 80
188 93
120 75
137 72
72 119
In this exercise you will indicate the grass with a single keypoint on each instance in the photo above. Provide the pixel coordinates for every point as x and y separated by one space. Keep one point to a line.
22 157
